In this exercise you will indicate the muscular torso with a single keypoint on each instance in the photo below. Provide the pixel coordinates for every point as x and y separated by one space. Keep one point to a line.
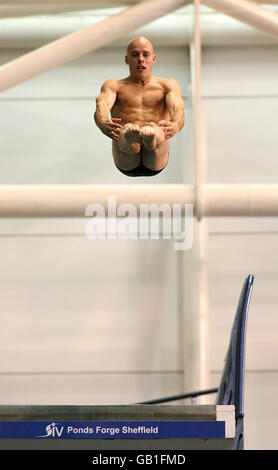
141 104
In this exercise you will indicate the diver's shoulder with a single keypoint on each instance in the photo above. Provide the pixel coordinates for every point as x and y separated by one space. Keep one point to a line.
110 84
167 83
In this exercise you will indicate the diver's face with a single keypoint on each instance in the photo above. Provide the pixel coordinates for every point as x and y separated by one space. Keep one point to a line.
140 58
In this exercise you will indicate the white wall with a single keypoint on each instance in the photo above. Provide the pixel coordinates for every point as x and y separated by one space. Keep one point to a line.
83 321
99 322
240 100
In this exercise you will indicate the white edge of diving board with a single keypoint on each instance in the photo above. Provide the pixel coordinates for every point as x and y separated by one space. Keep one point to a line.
227 413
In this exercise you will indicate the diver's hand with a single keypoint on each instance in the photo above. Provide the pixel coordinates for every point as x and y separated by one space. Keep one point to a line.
169 128
111 128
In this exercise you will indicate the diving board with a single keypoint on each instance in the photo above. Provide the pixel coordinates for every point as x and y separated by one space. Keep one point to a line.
200 427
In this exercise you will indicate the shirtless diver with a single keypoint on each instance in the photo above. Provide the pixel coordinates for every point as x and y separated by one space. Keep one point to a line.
145 112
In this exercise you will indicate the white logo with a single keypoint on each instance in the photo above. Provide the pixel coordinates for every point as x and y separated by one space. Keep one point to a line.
125 222
52 430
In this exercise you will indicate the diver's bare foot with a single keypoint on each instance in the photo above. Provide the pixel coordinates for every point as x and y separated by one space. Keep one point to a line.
149 137
131 134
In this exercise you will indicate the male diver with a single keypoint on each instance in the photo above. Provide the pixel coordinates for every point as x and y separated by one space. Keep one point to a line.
145 111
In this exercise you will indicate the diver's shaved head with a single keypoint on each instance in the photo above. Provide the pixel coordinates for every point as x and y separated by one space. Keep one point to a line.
139 41
140 58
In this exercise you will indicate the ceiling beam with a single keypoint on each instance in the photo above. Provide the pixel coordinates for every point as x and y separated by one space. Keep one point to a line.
84 41
228 200
9 10
248 12
89 3
173 30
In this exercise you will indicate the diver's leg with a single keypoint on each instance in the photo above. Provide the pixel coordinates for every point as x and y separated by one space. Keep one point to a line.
155 148
130 139
156 159
152 136
125 160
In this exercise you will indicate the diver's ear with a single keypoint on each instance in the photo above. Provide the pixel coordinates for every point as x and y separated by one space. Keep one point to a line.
154 59
126 59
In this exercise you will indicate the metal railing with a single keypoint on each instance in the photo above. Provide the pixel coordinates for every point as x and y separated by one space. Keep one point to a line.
179 397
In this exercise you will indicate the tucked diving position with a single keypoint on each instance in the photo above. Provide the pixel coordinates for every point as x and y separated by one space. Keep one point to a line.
140 113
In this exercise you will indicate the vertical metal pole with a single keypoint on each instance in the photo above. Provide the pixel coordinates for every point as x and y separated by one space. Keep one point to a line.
196 315
196 102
